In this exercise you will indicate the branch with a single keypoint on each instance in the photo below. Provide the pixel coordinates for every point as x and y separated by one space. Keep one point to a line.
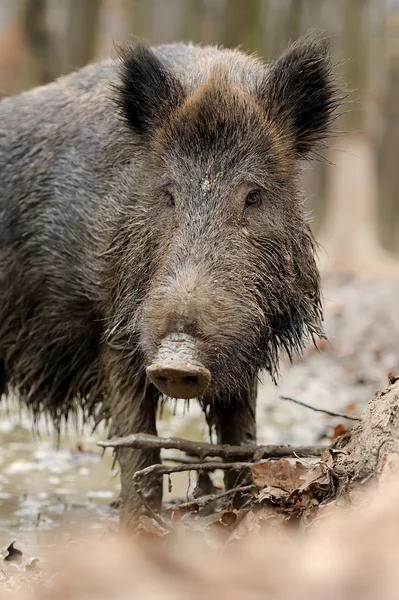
203 466
168 470
142 441
204 500
185 460
322 410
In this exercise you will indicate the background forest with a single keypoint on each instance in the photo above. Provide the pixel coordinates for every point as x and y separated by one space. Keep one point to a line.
355 199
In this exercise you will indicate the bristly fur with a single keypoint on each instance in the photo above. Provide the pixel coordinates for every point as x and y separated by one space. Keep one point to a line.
302 90
97 267
147 92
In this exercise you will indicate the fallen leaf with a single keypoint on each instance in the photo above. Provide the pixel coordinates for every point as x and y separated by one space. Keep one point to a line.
217 533
254 521
149 526
279 474
294 490
338 431
229 518
176 516
274 494
33 564
14 555
351 408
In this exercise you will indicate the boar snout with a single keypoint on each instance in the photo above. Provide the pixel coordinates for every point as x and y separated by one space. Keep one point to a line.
176 370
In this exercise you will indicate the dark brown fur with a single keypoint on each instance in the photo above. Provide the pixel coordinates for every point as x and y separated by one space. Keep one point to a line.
97 266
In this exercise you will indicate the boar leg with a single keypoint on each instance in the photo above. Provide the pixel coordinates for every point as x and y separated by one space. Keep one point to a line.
133 414
234 419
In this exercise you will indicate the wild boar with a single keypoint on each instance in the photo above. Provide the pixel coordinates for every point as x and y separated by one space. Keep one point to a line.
153 238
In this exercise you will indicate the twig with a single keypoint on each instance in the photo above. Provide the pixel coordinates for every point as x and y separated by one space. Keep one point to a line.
144 441
202 466
168 470
184 460
322 410
204 500
147 505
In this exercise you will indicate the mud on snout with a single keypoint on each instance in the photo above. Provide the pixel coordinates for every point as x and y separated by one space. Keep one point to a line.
176 369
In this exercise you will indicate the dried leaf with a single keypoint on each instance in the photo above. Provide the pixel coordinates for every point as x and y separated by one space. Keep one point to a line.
253 522
176 516
279 474
33 564
229 518
351 408
338 431
149 526
317 474
272 494
294 489
14 555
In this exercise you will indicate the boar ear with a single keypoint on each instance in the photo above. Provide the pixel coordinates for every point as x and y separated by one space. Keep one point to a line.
148 91
301 95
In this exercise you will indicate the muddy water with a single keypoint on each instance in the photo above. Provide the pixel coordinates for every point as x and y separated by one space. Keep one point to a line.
48 492
45 489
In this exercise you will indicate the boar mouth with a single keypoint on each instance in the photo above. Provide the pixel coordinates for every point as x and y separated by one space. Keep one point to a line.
176 370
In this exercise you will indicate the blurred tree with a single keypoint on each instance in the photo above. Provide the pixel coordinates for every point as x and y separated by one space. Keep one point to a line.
47 57
387 162
193 20
213 21
283 24
388 143
244 25
356 50
167 20
140 15
81 31
294 19
350 232
40 66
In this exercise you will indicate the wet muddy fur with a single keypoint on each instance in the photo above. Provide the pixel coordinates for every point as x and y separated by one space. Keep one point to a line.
151 196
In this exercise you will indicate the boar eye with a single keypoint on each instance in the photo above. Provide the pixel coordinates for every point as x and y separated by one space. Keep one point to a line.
253 200
170 201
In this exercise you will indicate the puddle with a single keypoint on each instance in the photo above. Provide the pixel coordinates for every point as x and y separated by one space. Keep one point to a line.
45 489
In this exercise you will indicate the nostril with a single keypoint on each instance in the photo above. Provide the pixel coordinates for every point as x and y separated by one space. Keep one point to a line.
191 379
179 380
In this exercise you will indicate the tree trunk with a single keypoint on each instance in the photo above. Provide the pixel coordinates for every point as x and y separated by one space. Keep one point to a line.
244 25
139 14
81 33
40 68
349 232
348 237
387 160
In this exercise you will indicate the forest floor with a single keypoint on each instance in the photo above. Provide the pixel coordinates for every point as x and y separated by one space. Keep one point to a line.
48 495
